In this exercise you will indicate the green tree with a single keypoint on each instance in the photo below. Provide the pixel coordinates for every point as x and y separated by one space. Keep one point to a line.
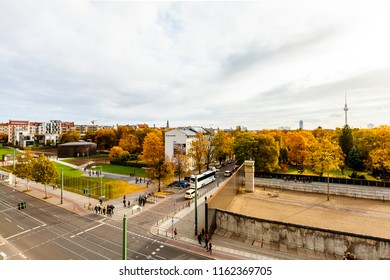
24 167
45 172
265 153
353 159
346 141
243 146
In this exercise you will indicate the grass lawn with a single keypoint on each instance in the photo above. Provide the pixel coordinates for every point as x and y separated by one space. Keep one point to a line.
6 150
124 170
334 174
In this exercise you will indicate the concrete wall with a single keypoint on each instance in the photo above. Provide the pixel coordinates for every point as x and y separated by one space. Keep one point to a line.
224 196
302 240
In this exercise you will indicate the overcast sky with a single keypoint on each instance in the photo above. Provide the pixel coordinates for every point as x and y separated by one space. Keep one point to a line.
221 64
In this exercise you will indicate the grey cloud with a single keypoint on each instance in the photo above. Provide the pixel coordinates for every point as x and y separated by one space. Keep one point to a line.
257 53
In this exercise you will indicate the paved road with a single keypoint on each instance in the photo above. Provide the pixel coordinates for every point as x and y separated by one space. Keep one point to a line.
45 231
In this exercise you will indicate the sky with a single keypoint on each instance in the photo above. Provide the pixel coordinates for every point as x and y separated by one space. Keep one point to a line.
260 65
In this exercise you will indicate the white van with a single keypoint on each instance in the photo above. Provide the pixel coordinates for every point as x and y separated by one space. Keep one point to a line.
190 194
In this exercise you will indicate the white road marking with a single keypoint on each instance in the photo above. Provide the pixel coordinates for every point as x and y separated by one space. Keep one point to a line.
93 227
8 220
20 233
20 227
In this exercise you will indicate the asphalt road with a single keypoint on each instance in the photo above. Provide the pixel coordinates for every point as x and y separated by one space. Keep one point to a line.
43 231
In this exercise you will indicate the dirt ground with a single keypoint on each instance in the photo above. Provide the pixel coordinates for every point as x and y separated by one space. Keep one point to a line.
360 216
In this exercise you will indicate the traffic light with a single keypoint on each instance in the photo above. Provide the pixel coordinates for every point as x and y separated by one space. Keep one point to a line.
22 205
85 191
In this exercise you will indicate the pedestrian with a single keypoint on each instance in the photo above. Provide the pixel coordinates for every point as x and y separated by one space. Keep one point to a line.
99 209
200 239
128 204
202 232
96 209
206 240
104 210
210 248
124 203
175 232
109 211
112 209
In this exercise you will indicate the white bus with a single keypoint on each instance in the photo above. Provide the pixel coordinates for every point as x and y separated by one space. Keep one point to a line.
203 179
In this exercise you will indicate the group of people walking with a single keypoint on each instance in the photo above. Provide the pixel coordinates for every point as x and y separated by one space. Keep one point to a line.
204 236
103 209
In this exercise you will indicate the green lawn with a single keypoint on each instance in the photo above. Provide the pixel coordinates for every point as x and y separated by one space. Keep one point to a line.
334 174
6 150
124 170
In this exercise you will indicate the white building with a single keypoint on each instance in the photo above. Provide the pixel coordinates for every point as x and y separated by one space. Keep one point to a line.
182 137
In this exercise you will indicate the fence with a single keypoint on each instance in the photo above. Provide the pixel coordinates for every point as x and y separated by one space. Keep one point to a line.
335 189
346 181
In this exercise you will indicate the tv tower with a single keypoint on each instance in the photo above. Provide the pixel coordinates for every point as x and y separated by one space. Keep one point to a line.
346 109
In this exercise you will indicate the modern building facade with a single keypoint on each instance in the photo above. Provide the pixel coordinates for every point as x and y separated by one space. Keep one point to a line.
76 149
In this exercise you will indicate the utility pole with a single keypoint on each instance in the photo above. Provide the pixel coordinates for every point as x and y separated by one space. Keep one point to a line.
62 185
196 205
124 245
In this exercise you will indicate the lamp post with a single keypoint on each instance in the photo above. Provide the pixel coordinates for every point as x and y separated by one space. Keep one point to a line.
196 205
62 185
101 180
124 238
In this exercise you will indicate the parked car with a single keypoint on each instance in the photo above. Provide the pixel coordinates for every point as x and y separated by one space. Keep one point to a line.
227 173
172 184
182 184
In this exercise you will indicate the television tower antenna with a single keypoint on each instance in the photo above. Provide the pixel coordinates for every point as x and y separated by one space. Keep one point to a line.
346 109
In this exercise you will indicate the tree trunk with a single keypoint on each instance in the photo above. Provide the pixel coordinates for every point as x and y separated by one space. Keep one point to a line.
45 191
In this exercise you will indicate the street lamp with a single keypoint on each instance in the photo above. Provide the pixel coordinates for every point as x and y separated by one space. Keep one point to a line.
101 180
62 185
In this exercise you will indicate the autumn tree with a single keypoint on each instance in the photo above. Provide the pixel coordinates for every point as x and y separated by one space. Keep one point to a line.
90 135
3 137
298 145
130 143
198 151
118 154
45 172
210 149
154 155
380 155
24 167
70 136
105 139
223 146
326 157
180 162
